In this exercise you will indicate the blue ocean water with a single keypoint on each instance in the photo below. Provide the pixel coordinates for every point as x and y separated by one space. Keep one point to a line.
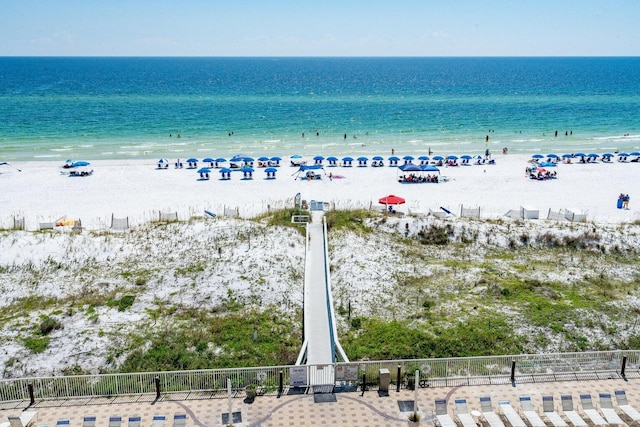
97 108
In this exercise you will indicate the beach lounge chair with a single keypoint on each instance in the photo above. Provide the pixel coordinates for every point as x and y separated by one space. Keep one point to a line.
89 421
549 411
462 412
511 415
444 420
623 404
134 421
530 413
590 411
63 423
179 420
158 420
490 417
115 421
24 420
572 415
606 407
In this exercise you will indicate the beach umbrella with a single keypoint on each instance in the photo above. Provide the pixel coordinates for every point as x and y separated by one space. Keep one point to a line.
607 155
226 170
394 158
438 158
271 170
275 159
579 155
332 159
163 161
635 153
247 159
247 169
263 159
567 156
423 158
204 170
362 159
296 156
593 155
407 158
552 156
79 164
452 157
537 156
347 159
377 158
623 154
208 160
318 158
391 200
221 159
192 160
466 157
548 165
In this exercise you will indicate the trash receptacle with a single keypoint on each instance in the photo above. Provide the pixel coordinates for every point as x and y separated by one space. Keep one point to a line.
384 380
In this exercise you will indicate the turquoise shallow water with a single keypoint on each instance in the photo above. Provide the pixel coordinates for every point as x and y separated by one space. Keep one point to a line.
98 108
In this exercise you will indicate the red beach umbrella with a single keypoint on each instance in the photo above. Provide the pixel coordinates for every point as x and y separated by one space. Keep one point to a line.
391 200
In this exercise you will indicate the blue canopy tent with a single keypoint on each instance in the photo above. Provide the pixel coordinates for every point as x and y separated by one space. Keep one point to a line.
362 161
419 174
271 172
309 172
204 174
333 161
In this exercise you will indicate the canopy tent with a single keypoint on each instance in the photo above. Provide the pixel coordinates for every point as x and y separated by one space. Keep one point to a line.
309 171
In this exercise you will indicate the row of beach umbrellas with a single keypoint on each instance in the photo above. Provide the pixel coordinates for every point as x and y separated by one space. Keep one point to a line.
577 155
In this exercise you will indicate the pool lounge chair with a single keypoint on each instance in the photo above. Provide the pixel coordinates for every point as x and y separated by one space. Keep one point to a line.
511 414
179 420
158 420
486 408
443 418
89 421
530 413
134 421
572 415
24 420
606 407
623 404
63 423
549 411
590 411
463 415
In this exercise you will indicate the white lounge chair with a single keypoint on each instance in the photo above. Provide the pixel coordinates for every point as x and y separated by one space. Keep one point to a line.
89 421
444 420
623 404
549 411
462 412
134 421
158 421
115 421
511 414
590 410
606 407
530 413
490 417
572 415
179 420
24 420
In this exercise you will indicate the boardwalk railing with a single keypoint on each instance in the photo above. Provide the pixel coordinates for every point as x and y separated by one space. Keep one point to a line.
348 376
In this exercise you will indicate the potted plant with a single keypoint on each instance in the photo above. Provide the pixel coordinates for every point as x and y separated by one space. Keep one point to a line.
250 390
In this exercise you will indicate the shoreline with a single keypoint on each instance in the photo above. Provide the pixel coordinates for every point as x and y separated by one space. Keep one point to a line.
137 190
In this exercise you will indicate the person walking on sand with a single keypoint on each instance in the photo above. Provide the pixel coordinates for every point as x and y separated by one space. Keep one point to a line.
625 201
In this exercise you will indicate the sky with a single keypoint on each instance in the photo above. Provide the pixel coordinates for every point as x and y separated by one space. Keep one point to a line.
319 28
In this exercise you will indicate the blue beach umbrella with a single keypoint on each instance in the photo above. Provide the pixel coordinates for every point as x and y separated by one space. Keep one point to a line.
275 159
593 155
271 170
247 169
79 164
567 156
466 157
208 160
318 158
332 158
377 158
221 159
263 159
634 153
247 159
407 158
394 158
438 158
452 157
548 165
204 170
347 159
579 155
192 160
296 156
537 156
607 155
552 156
623 154
362 159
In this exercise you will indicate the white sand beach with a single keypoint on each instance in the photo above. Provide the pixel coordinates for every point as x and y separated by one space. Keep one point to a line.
137 190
